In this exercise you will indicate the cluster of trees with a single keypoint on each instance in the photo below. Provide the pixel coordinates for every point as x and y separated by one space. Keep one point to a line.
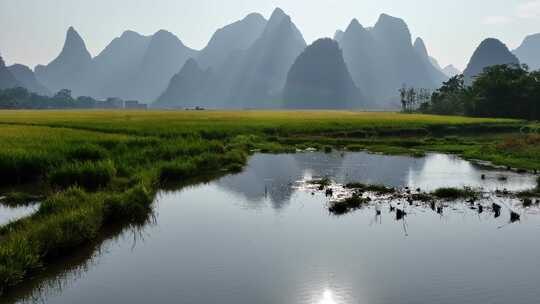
506 91
411 98
21 98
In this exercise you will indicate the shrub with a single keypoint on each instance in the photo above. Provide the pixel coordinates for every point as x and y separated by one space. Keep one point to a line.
90 175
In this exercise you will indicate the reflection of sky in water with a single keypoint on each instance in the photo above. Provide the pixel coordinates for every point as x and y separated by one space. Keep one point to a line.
8 214
207 247
269 178
441 170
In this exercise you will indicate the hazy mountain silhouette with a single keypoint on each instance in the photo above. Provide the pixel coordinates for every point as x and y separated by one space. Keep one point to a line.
431 64
164 56
405 63
529 51
319 79
430 61
190 86
381 59
237 36
364 61
338 36
262 70
253 77
490 52
114 69
67 71
132 66
435 63
451 71
7 80
25 76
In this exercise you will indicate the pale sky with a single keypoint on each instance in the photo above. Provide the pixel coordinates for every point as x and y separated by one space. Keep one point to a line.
32 31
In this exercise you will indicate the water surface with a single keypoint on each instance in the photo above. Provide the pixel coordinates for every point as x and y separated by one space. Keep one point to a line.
10 214
255 237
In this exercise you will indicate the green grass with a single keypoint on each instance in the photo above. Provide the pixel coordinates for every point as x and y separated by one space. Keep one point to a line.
101 167
89 175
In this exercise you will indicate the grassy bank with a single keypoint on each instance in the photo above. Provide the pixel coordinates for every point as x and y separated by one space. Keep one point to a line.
100 167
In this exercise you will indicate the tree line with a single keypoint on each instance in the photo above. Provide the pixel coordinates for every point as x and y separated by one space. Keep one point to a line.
504 91
21 98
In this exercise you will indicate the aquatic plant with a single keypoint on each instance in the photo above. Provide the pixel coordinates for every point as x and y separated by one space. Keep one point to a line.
455 193
379 189
346 205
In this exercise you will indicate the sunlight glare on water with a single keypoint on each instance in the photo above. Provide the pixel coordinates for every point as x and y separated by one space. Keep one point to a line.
327 298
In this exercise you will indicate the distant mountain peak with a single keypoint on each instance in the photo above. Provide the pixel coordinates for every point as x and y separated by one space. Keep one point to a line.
74 44
277 17
234 37
129 34
354 26
451 71
254 16
489 53
278 13
163 32
165 36
7 80
532 38
27 79
392 29
385 19
319 79
420 47
529 50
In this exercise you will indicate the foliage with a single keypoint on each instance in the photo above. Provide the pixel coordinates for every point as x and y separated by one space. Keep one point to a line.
21 98
504 91
411 98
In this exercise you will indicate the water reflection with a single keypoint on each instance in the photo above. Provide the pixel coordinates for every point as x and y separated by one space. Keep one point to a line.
327 298
205 246
270 178
9 214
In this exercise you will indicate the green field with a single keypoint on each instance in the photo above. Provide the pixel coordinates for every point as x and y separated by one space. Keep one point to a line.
96 168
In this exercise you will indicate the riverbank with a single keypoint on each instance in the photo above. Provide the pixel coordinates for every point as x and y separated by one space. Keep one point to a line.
99 167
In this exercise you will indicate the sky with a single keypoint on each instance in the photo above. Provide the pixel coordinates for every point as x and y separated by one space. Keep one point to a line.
33 31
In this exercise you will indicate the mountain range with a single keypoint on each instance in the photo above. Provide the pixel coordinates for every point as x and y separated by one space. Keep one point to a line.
253 77
259 63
